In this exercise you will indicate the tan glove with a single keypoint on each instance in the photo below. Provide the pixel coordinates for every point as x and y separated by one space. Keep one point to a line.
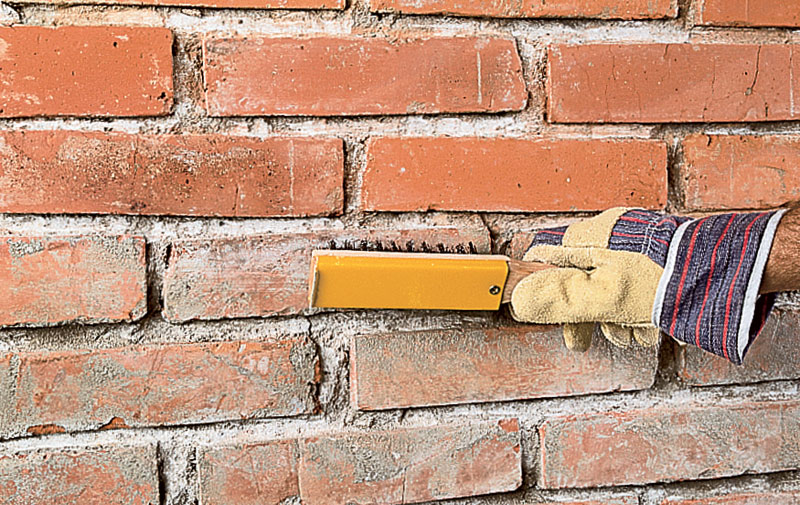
593 284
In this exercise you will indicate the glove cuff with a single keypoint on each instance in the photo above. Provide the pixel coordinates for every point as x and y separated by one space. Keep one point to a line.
708 293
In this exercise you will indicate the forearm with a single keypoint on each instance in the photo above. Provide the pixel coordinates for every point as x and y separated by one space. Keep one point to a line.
782 272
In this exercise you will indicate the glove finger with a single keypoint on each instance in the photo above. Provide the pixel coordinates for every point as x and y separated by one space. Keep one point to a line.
617 334
583 258
647 337
593 232
578 337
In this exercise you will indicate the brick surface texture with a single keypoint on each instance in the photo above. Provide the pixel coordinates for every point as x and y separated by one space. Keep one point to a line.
177 384
411 467
740 171
334 76
464 174
383 467
399 370
48 280
748 13
672 83
168 167
225 4
85 71
664 444
112 474
604 9
774 498
58 172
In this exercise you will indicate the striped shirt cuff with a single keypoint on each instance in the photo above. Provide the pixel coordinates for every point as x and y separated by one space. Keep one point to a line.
708 293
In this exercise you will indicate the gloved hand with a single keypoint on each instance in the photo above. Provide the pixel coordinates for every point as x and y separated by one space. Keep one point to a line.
635 271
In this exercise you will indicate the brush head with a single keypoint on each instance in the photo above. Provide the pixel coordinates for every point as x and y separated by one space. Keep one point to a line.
394 280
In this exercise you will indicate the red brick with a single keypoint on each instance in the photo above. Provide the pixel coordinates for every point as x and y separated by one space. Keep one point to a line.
425 368
207 175
780 13
48 280
772 498
254 474
225 4
163 385
773 356
85 71
740 171
669 443
474 174
268 275
410 466
334 76
661 83
112 474
603 9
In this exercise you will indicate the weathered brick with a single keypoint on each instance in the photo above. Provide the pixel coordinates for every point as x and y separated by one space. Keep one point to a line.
48 280
779 13
410 466
479 174
602 9
669 443
85 71
621 500
220 175
771 498
268 275
225 4
655 83
773 356
78 476
424 368
333 76
740 171
163 385
253 474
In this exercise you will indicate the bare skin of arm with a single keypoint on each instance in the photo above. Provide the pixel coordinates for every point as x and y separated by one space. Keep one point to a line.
782 272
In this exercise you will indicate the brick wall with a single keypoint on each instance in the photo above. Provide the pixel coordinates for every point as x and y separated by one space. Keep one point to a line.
166 167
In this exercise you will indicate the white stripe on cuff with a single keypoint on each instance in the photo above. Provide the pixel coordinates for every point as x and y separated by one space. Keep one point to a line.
672 255
754 283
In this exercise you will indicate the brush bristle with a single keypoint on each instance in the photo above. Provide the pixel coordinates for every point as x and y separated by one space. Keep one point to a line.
396 246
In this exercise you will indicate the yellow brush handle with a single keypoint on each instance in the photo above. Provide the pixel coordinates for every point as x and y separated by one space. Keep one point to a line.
368 280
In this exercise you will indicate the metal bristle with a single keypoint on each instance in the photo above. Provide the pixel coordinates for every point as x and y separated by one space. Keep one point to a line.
394 246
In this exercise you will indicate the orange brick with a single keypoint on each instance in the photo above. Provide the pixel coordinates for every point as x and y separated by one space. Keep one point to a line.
410 466
252 474
225 4
268 275
85 71
163 385
662 83
602 9
771 498
669 444
48 280
781 13
335 76
740 171
474 174
205 175
111 474
772 356
425 368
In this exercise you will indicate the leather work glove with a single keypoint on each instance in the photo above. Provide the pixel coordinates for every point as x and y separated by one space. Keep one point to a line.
636 272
